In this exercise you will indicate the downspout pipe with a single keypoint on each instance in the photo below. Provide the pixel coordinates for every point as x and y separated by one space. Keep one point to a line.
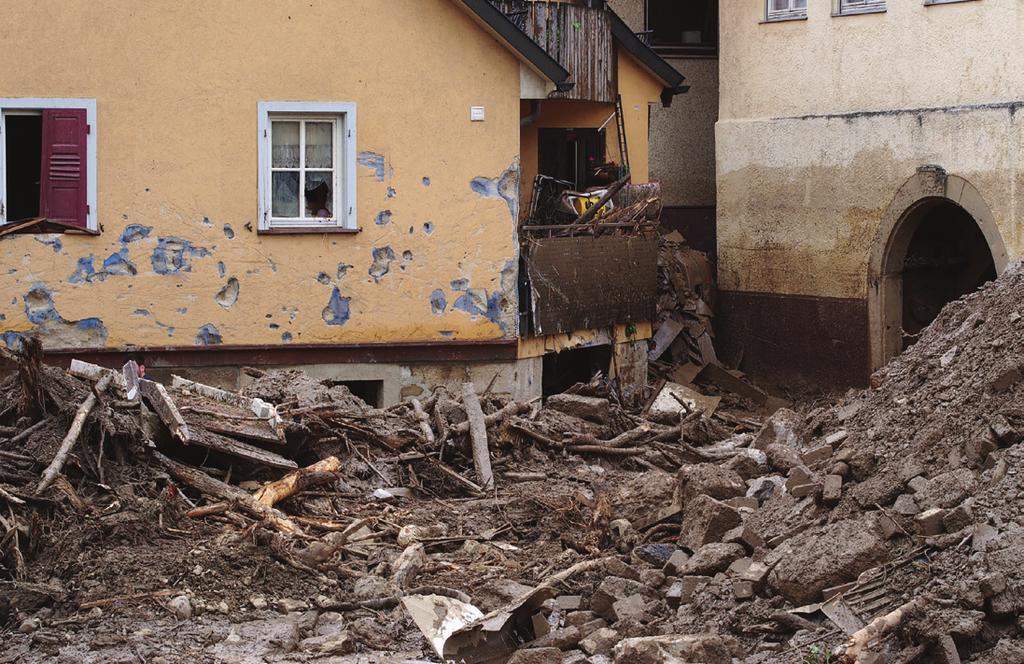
528 120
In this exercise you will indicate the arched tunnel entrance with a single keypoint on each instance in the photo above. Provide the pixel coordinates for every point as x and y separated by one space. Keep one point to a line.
947 256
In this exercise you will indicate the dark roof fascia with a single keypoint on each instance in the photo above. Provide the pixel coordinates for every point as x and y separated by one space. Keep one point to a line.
647 57
519 41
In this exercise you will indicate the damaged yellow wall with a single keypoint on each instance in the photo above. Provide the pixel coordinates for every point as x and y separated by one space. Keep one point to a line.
177 86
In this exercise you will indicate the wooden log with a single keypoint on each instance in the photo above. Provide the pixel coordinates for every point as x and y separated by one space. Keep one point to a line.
856 647
510 409
31 430
72 436
298 480
478 435
421 417
621 440
208 510
611 191
94 372
215 441
408 564
205 484
164 406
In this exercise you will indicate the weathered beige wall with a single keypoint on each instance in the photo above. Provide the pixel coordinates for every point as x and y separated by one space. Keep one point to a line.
823 120
177 86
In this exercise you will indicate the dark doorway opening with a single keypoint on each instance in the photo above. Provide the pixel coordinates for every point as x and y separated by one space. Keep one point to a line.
947 258
572 155
24 146
565 369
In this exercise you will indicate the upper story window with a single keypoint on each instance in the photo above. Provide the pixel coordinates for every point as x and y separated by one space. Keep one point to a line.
307 166
845 7
683 28
784 10
48 165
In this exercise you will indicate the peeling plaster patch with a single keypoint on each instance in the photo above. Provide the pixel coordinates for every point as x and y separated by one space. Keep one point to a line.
382 258
383 217
428 227
373 161
206 220
221 270
391 192
337 310
40 311
173 255
343 270
12 339
438 301
135 232
183 310
426 181
473 302
208 335
286 337
229 232
406 259
118 264
169 329
3 317
505 186
228 294
84 271
52 241
447 333
323 278
460 284
141 312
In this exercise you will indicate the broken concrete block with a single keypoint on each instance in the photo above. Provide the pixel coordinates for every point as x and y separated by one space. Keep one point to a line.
743 502
632 609
918 483
832 489
587 408
563 638
746 536
840 468
958 518
834 439
569 602
712 558
805 490
578 618
782 457
588 628
764 488
615 567
536 656
799 475
817 455
822 557
880 489
946 489
977 450
944 651
742 589
929 522
906 505
1004 432
706 520
600 641
676 562
889 526
704 648
748 463
709 480
780 428
612 588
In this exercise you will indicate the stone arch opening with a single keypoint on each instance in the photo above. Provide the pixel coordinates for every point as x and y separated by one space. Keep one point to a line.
938 241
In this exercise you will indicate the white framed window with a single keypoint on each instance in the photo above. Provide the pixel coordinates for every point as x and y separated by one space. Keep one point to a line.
847 7
784 10
48 163
307 162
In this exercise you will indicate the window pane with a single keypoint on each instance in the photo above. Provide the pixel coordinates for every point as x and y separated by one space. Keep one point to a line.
799 4
286 194
320 194
319 144
285 152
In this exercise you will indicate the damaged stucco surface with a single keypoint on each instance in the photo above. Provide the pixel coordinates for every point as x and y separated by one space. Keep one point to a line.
810 156
178 261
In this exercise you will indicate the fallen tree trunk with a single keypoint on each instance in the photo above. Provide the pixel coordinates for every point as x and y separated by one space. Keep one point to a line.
298 480
478 435
510 409
421 417
72 436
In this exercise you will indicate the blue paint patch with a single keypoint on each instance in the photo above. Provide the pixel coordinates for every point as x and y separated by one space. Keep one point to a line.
446 333
118 264
12 339
438 301
382 257
221 270
286 337
134 233
337 311
52 242
323 278
373 161
208 335
426 181
229 232
383 217
3 317
173 255
428 227
473 302
460 284
141 312
391 192
505 187
342 270
84 271
40 311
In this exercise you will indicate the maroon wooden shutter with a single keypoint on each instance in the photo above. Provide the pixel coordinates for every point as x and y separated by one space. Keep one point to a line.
62 185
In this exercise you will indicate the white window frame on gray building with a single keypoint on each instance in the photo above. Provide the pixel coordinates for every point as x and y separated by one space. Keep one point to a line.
785 10
851 7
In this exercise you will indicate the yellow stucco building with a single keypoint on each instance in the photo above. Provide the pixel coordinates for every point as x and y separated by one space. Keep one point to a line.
330 185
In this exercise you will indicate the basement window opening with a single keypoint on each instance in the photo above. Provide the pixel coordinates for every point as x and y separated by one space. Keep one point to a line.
578 365
370 391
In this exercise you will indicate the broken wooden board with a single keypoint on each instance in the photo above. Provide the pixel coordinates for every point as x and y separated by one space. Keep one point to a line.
225 418
720 377
258 407
663 338
218 443
93 372
671 398
157 396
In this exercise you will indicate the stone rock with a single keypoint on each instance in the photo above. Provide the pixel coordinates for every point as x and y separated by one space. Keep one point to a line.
29 625
906 505
709 480
780 428
881 489
706 520
673 649
536 656
832 489
600 641
764 488
258 602
632 608
652 578
288 605
712 558
587 408
822 557
654 554
797 476
947 489
782 457
616 567
676 562
611 589
958 518
748 463
329 622
181 607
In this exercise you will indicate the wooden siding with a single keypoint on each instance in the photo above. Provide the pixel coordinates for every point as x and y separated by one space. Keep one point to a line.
578 37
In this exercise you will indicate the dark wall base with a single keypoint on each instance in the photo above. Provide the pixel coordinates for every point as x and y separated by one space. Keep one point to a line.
785 339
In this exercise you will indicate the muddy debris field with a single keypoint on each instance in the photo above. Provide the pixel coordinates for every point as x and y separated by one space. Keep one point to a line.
290 522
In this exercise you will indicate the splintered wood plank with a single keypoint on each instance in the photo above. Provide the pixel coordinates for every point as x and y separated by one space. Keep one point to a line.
227 419
214 441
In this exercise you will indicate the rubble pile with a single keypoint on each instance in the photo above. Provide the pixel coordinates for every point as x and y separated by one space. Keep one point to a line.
292 522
